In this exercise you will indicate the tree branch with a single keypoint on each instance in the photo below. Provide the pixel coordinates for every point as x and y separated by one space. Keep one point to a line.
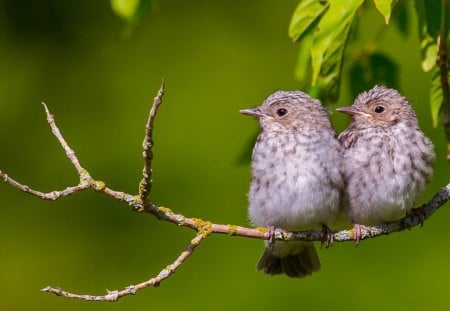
145 185
443 64
204 228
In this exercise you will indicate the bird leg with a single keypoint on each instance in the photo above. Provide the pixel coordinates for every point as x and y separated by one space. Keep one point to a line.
327 236
271 239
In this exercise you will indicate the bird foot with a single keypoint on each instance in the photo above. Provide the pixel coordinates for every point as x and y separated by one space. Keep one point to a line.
416 214
271 240
357 228
327 236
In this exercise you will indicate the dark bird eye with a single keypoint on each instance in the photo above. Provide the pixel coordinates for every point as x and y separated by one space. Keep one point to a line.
281 112
379 109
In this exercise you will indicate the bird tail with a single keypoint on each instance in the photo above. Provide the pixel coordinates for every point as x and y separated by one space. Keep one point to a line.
301 261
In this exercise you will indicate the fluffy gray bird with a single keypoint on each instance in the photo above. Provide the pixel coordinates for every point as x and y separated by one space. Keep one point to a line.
296 178
387 158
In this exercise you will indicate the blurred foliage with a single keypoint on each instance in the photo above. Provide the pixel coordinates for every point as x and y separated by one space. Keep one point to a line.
327 25
130 10
323 30
217 57
429 27
375 67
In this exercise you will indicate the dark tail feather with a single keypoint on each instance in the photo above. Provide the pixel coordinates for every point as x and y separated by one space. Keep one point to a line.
297 265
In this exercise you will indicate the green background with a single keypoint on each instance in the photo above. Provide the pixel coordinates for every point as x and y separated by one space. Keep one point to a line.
217 57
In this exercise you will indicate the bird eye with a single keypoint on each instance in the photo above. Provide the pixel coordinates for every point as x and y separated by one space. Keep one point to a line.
281 112
379 109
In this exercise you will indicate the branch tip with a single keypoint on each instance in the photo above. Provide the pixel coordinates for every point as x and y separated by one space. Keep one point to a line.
146 183
45 106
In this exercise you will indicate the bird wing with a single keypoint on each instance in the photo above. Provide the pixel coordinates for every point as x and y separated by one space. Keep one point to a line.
348 138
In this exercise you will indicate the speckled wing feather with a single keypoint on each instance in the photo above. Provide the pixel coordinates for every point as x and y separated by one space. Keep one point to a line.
348 138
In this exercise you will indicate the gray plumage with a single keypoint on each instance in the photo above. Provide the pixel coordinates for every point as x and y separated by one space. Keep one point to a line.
387 158
296 177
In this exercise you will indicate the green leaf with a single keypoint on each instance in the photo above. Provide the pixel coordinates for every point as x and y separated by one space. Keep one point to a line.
385 7
428 51
329 76
428 30
306 13
330 38
435 96
303 67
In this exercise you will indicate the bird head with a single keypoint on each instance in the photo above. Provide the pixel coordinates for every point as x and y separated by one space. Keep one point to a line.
381 107
290 111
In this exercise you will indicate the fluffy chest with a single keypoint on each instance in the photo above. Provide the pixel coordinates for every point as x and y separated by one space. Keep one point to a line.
288 161
382 154
295 182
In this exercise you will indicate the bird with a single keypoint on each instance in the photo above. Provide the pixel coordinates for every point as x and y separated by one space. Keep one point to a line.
296 178
387 159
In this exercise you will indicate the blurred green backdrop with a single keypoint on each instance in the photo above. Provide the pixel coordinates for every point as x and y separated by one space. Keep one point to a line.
217 57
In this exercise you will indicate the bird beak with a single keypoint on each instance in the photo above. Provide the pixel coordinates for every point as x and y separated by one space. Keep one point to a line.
254 112
350 110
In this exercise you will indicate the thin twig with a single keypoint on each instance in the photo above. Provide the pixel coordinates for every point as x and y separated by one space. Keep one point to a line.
133 289
203 228
443 64
69 152
145 185
43 195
